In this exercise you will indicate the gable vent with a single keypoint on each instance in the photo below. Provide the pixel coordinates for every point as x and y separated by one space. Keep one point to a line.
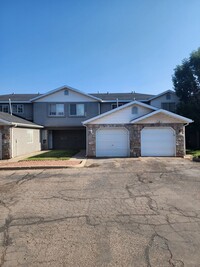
66 92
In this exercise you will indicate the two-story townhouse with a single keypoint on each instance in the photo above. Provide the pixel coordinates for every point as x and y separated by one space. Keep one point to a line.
62 111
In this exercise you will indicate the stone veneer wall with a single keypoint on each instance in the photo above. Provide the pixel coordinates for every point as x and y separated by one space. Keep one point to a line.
6 142
135 137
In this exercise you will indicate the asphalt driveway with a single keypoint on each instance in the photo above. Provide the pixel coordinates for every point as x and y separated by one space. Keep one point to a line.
114 212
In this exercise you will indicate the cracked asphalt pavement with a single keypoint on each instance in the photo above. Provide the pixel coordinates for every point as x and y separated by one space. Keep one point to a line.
113 212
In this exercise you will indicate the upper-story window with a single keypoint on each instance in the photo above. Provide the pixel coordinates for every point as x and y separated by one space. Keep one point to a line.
134 110
18 108
77 110
116 105
4 108
169 106
168 96
56 109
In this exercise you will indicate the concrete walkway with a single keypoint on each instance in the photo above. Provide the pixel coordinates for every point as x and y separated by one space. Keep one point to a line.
20 163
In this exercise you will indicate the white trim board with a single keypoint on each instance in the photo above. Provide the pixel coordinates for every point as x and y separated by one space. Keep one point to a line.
168 113
117 109
64 87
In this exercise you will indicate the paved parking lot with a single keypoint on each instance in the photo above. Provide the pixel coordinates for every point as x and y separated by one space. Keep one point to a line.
113 212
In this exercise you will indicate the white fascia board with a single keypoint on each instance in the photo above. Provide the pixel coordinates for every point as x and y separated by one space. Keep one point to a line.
171 114
61 88
122 101
163 93
19 102
117 109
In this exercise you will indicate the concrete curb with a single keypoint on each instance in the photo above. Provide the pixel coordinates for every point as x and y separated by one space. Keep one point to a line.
11 168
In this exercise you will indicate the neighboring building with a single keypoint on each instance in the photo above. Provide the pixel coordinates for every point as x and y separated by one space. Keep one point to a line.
18 136
20 104
62 112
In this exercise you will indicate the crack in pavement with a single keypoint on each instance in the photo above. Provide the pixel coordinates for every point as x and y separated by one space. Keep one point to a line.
28 221
6 239
161 243
28 177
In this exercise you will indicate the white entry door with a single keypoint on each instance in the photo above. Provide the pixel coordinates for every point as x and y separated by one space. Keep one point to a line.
112 142
158 142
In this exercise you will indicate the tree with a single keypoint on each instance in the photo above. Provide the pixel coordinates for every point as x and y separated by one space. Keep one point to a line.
186 80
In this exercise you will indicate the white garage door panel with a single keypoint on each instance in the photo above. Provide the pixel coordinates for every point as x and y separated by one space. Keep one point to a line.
157 142
112 143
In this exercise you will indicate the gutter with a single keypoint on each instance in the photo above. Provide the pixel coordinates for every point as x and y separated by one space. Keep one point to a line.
26 125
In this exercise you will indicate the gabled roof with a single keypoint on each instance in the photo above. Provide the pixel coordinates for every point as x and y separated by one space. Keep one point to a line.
123 96
119 108
9 119
17 97
65 87
163 93
168 113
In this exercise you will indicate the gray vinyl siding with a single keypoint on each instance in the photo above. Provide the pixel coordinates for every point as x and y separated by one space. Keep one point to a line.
108 106
28 112
105 107
157 102
41 114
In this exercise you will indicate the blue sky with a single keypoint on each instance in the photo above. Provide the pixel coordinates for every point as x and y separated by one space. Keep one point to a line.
92 45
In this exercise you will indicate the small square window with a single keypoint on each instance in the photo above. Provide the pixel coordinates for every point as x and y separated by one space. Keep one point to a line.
134 110
66 92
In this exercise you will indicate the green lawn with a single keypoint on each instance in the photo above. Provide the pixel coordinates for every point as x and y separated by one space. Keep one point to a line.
54 155
194 153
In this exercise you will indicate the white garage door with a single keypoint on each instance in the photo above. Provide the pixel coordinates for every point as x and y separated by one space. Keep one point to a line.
158 142
112 142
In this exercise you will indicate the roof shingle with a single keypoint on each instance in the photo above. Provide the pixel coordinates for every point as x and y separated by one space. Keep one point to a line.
123 96
17 120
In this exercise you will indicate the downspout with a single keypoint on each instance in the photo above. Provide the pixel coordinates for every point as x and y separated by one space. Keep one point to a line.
99 108
184 125
10 106
12 136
